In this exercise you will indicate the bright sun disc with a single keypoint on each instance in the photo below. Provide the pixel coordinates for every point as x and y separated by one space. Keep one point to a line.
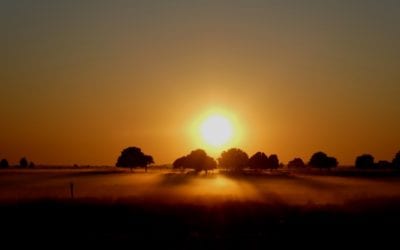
216 130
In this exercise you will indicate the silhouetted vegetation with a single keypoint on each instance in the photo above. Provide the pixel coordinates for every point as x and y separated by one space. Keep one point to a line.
180 163
383 165
234 159
259 161
273 161
296 163
133 157
198 160
4 163
396 161
322 160
173 211
365 161
23 163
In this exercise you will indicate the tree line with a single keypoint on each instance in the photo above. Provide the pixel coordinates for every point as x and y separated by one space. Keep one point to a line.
367 161
237 160
23 163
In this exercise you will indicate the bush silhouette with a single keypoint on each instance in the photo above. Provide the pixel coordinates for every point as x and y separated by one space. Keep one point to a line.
133 157
234 159
296 163
259 161
365 161
384 164
23 163
396 161
4 163
322 160
198 160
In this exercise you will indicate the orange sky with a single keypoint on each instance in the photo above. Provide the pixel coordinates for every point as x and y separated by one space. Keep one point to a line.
80 81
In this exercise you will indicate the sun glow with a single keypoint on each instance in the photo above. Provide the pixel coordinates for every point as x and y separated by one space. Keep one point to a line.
216 130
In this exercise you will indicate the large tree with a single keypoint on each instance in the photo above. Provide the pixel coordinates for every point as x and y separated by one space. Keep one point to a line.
23 163
133 157
396 161
259 161
209 164
296 163
234 159
322 160
198 160
4 163
365 161
273 161
180 163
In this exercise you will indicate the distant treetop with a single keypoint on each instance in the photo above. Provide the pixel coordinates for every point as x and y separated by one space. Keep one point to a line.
261 161
396 161
4 163
296 163
198 160
322 160
23 163
234 159
133 157
365 161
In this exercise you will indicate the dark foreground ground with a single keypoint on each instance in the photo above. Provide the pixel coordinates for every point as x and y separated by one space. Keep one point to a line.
153 219
246 225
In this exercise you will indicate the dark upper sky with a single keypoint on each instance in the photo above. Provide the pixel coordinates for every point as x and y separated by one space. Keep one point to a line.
80 80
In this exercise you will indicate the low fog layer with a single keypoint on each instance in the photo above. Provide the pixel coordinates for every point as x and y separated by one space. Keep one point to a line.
176 187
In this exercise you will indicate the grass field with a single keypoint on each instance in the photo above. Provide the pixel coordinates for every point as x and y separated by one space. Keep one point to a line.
188 211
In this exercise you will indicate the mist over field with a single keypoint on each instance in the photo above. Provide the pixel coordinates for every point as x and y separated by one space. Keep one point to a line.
166 187
186 211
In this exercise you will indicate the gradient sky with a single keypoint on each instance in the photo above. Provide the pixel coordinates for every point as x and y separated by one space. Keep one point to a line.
81 80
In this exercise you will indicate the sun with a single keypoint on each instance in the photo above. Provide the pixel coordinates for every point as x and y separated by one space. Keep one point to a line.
216 130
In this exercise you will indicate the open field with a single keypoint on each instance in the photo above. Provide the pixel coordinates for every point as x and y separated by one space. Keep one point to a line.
187 211
168 187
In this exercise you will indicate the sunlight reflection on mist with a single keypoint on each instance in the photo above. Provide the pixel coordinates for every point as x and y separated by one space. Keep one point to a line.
209 189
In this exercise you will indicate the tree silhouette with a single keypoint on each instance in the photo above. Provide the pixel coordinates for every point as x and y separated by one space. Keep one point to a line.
23 163
259 161
396 161
180 163
365 161
234 159
296 163
4 163
133 157
321 160
209 164
273 161
332 162
197 160
318 160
